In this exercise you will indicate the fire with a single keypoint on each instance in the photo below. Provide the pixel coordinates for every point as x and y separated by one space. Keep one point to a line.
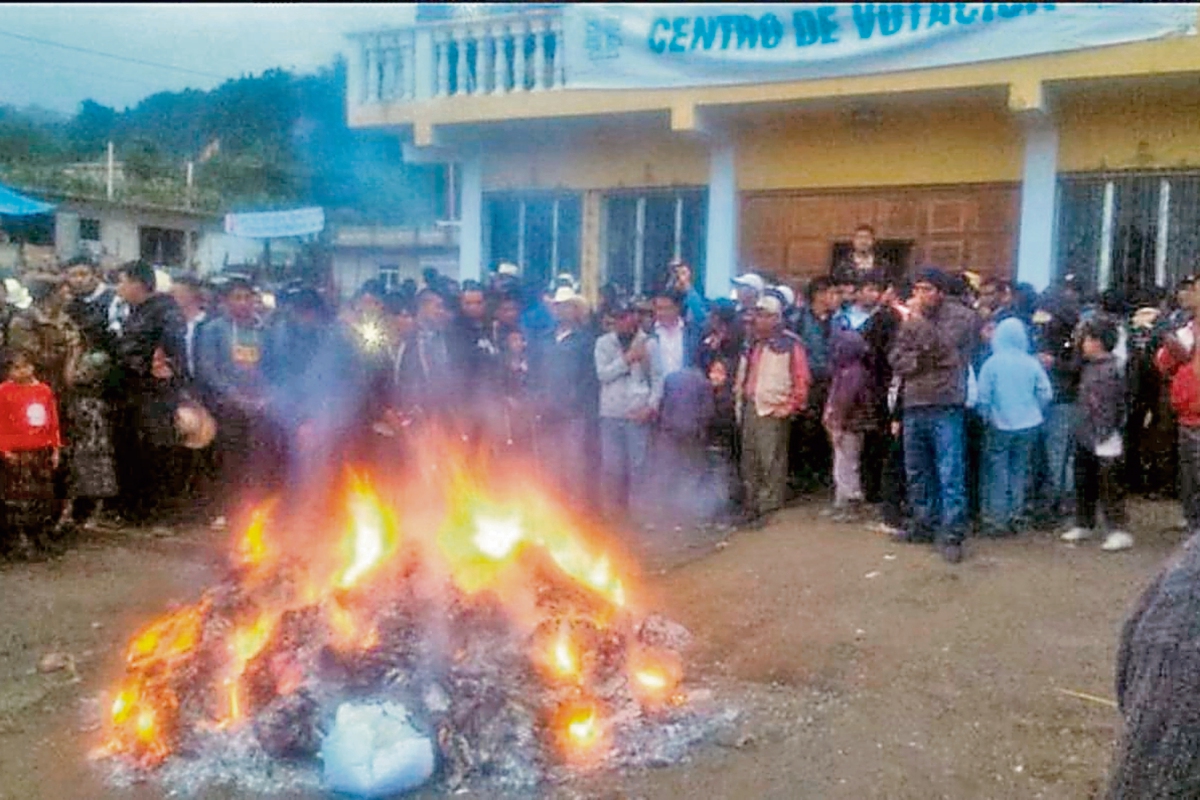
654 677
301 590
580 729
372 536
565 661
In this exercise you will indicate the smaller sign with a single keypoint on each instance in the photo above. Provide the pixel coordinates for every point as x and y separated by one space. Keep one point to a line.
275 224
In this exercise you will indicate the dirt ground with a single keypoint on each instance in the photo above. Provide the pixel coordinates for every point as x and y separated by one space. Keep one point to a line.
875 669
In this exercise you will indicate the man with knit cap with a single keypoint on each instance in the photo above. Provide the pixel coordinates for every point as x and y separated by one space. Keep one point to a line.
932 354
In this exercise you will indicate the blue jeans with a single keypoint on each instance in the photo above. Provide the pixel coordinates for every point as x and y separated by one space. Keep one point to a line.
1060 459
623 448
1009 456
934 465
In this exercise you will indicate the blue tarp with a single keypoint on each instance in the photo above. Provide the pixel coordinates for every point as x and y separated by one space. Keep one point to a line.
13 204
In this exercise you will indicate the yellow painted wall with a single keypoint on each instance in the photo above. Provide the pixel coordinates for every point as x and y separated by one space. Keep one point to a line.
967 142
600 160
1136 128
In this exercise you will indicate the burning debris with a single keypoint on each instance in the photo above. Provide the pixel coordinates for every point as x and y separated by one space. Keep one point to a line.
493 624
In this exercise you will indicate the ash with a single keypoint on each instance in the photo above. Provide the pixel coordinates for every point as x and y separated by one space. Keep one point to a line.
460 665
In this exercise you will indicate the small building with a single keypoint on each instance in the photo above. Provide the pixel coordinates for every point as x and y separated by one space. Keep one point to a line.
360 253
1026 140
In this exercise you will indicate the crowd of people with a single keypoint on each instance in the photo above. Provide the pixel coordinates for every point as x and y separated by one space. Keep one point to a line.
933 405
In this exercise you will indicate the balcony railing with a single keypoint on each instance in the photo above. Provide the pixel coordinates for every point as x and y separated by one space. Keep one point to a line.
488 56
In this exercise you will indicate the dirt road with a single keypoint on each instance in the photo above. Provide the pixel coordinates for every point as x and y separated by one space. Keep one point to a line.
876 669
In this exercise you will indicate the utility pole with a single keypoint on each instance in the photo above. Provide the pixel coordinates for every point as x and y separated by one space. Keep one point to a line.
109 182
191 168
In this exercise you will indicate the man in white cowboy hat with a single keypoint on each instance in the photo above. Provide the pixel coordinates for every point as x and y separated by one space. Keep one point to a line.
563 382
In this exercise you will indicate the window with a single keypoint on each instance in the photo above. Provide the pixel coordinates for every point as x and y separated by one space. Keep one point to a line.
645 230
1128 231
163 246
389 275
538 233
89 230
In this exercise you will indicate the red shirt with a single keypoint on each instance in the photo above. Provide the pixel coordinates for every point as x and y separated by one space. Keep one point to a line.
28 417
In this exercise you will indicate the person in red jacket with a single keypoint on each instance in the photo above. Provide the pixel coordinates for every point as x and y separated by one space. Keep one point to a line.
30 441
1178 359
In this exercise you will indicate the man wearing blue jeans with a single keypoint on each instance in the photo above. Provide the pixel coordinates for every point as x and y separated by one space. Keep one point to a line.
631 385
931 355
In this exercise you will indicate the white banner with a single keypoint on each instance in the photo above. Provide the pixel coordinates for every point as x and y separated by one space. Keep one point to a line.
631 46
275 224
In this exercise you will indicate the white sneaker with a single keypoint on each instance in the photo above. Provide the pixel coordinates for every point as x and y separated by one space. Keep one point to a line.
1076 534
1117 540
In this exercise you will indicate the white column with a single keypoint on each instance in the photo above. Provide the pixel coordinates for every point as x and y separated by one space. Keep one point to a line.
520 32
356 72
470 232
721 238
540 32
1163 238
1035 250
500 60
442 45
461 63
424 65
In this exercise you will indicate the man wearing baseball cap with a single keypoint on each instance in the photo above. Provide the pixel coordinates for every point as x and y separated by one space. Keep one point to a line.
771 388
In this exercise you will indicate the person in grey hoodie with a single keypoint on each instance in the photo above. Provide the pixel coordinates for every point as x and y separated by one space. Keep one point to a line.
1014 391
631 387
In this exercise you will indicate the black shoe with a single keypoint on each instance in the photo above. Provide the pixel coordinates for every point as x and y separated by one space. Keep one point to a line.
908 537
952 552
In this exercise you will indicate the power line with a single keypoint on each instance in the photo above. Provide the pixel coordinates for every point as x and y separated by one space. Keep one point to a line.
113 56
89 73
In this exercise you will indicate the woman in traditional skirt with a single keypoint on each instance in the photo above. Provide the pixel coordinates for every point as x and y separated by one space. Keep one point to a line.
30 442
93 468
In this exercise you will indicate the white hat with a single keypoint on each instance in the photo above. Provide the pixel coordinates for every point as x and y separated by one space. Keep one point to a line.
789 297
508 268
750 280
565 294
770 303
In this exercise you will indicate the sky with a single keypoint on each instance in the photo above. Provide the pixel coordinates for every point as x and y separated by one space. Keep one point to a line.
188 46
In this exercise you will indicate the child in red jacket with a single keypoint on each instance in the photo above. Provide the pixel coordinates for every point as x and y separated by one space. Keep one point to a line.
29 443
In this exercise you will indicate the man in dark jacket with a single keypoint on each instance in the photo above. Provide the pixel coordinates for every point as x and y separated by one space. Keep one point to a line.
229 373
1057 348
564 384
151 363
931 354
810 457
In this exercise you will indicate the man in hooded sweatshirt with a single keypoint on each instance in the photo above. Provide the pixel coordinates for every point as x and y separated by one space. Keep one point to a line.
1014 391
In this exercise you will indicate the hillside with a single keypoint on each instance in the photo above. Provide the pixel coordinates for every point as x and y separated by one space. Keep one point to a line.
272 140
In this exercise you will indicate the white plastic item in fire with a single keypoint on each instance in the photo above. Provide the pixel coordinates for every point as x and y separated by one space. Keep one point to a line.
373 751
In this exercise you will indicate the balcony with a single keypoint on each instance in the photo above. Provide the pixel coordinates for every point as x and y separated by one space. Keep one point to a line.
482 55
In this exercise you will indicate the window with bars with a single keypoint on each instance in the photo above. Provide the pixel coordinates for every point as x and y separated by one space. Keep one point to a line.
645 230
1128 231
539 233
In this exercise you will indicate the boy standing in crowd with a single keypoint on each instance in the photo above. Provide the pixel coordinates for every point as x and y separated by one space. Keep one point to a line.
1100 412
1013 392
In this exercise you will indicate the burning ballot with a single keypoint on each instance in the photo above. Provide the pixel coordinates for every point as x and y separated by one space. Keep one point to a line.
504 625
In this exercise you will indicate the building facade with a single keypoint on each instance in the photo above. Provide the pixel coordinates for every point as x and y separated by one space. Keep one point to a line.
1022 140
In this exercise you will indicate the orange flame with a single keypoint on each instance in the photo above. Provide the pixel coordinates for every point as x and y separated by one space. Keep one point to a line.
509 539
654 677
580 729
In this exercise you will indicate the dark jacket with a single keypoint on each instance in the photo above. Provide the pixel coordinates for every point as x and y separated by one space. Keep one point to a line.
563 376
852 405
815 334
1101 407
229 368
155 323
1054 334
687 405
1158 686
932 355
